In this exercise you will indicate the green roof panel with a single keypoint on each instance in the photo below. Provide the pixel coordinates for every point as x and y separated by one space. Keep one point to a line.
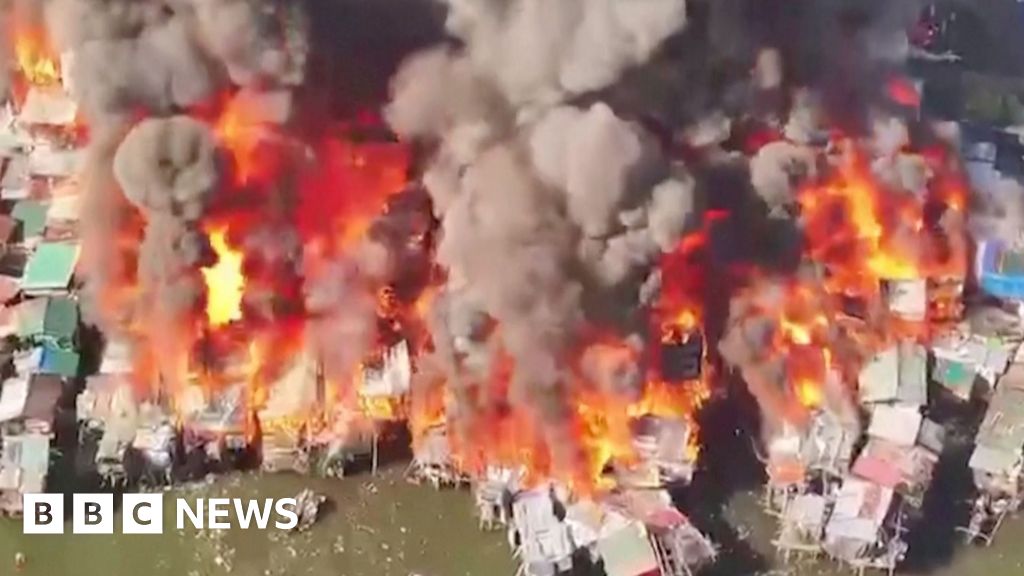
50 267
32 215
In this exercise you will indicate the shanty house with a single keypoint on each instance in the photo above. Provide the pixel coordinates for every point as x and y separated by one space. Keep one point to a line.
855 532
997 461
665 444
802 525
384 385
47 161
153 445
30 214
960 359
827 446
787 471
673 546
541 537
8 232
907 470
897 424
30 403
680 548
682 358
624 548
432 459
47 106
28 408
117 357
64 213
24 465
349 437
51 321
108 415
493 496
220 426
50 359
15 183
12 268
897 374
907 299
293 399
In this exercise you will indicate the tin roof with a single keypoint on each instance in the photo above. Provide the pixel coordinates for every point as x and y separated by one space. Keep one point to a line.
48 318
1003 426
32 216
32 398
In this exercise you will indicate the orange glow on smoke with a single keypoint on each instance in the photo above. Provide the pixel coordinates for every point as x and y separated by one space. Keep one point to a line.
348 188
903 92
225 282
239 130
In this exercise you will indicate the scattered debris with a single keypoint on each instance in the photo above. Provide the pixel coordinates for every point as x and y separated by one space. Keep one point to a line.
308 508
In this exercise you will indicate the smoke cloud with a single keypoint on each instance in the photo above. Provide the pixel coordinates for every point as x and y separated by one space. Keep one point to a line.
550 212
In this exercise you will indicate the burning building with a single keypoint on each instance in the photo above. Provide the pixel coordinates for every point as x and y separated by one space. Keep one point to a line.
545 272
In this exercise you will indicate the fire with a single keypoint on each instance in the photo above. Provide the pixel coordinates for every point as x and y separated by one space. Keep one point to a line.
863 231
239 132
845 226
349 186
34 56
380 408
225 282
809 393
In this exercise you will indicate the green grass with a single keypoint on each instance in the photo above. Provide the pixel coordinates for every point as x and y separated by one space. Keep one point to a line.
375 526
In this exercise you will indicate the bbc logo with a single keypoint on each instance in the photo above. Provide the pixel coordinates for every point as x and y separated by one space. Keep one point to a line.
144 513
93 514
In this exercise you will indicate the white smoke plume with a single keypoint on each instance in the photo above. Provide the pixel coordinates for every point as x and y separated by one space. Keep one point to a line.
778 169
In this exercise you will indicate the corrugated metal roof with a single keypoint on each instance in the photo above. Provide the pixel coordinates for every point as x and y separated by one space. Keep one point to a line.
1003 426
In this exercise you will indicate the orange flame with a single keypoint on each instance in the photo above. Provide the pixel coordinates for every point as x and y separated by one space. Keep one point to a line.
225 282
34 56
863 232
844 225
239 129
